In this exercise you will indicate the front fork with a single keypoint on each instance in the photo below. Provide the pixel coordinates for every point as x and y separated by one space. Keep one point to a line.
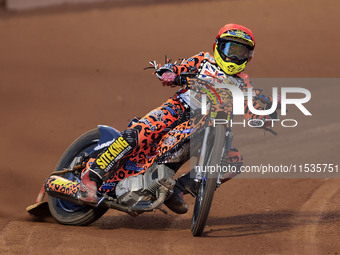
202 158
225 152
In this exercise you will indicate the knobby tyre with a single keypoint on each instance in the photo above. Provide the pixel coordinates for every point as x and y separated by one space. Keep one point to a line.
207 187
65 212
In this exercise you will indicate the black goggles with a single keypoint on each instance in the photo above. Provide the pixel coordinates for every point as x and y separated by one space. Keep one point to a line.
235 51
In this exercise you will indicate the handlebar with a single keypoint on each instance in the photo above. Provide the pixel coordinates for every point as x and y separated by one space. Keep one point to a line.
181 79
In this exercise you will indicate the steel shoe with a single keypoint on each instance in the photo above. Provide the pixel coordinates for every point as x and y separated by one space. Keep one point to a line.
176 202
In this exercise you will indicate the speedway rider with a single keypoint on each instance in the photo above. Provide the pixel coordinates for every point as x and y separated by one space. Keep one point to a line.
232 50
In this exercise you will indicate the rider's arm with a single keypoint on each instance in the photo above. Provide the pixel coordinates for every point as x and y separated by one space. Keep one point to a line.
169 74
190 64
187 65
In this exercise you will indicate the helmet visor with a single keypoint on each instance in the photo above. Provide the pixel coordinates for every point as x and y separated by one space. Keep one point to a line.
236 52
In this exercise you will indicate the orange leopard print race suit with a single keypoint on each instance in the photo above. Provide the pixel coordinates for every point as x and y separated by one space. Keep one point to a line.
144 135
139 142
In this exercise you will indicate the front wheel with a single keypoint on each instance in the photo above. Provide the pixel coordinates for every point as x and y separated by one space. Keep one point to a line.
63 211
207 186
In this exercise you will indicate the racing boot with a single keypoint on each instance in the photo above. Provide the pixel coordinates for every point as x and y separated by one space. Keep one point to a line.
90 183
184 185
176 202
187 183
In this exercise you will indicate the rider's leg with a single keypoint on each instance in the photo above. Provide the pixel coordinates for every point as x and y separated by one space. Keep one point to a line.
98 170
176 201
139 137
185 183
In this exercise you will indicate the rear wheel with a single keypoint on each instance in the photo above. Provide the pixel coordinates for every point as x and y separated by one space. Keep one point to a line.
66 212
207 186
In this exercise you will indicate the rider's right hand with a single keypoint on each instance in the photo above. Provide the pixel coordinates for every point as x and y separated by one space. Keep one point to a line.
168 79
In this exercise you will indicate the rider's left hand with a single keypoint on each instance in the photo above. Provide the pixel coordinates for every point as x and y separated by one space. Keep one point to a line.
168 79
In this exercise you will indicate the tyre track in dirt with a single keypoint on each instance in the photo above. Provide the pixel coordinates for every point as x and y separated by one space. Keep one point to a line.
15 231
305 235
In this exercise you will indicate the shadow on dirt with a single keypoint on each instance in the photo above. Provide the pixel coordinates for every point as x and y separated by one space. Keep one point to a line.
233 226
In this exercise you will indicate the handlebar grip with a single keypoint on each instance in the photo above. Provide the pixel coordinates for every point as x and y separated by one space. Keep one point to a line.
180 80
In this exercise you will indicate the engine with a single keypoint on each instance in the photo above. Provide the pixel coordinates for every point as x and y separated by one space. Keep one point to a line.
145 187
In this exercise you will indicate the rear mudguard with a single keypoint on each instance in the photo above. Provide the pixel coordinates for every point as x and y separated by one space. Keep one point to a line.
107 136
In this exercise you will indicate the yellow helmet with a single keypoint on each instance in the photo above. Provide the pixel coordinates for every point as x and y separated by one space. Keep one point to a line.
233 48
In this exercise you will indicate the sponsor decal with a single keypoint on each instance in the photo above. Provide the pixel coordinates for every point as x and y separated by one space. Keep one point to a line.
183 131
172 111
237 33
108 186
148 122
113 153
63 183
170 140
157 114
235 81
103 145
133 166
188 131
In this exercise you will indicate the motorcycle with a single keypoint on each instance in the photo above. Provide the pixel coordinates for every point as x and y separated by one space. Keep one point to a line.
138 188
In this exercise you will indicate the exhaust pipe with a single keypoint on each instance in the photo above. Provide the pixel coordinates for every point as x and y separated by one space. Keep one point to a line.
63 188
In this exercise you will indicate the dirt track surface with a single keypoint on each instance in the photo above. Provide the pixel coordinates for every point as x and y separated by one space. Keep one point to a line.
64 72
